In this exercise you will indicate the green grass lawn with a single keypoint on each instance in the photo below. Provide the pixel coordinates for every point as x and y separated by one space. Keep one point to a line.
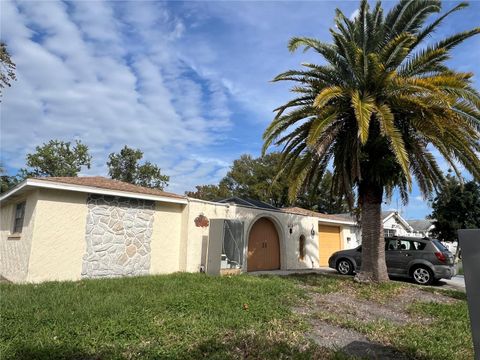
180 316
192 316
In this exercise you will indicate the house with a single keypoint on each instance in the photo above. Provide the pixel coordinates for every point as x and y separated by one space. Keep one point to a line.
395 225
422 227
91 227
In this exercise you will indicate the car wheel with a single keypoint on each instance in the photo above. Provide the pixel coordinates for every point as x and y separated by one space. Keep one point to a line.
422 275
345 267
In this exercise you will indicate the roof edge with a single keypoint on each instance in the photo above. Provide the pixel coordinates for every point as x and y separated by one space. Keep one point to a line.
89 189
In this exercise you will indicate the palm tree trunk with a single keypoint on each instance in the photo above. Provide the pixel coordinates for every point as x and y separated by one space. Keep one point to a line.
373 266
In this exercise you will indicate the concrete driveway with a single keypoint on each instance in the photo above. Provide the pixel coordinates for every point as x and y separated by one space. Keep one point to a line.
456 283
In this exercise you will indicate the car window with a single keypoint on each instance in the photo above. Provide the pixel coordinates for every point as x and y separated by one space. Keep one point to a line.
391 244
439 245
419 245
405 245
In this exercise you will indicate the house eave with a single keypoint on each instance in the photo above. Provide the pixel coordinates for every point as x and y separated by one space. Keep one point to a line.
34 183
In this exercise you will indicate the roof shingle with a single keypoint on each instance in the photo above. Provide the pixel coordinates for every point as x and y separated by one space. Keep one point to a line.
109 184
305 212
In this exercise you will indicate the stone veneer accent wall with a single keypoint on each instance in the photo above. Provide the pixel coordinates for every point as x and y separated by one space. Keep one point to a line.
118 236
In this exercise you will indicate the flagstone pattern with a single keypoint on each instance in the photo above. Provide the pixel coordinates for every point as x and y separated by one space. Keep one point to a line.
118 236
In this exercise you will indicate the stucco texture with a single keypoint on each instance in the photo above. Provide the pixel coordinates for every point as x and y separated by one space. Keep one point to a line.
289 242
58 237
166 238
195 235
15 252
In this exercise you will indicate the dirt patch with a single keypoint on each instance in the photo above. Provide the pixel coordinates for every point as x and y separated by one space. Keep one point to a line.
409 295
351 342
348 304
350 307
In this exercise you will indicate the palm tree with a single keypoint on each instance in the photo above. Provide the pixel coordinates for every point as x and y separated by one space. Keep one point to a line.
377 111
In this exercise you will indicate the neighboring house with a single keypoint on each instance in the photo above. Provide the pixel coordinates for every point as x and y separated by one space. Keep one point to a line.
395 225
93 227
422 227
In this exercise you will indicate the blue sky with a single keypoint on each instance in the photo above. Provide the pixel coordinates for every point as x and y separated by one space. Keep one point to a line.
186 82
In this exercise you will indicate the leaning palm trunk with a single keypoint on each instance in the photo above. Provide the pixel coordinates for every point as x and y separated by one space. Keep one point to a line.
373 266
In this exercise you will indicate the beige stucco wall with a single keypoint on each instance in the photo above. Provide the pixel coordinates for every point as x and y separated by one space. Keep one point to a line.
59 236
350 232
53 239
289 243
166 238
15 253
195 235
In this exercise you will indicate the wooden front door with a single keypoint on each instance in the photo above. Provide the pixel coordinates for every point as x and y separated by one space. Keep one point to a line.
328 242
263 246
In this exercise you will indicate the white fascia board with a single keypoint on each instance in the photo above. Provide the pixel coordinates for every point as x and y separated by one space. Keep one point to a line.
13 190
404 222
90 189
388 217
341 222
191 199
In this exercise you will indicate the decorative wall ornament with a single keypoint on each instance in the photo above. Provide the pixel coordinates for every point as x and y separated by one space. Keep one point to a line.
201 221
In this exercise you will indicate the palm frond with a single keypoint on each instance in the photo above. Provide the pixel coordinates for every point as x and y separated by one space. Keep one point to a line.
363 107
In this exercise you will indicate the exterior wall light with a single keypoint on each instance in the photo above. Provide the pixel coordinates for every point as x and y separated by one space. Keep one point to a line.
290 228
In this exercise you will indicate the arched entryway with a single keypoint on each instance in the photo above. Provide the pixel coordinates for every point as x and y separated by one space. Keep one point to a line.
263 246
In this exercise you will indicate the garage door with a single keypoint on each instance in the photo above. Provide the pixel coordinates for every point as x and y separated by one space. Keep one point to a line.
328 242
263 246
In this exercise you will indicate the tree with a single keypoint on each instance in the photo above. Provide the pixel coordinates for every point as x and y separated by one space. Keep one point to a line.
210 192
57 158
256 178
321 198
7 68
6 181
456 206
124 166
375 110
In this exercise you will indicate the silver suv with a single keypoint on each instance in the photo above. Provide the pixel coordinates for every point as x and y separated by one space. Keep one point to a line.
422 259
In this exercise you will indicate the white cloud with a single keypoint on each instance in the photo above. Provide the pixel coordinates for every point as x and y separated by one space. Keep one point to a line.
78 79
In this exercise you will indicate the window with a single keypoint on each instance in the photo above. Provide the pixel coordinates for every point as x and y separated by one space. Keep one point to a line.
405 245
439 245
389 232
233 245
391 245
301 247
18 219
419 245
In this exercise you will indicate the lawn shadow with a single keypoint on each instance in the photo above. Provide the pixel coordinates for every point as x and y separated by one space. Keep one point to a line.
368 350
54 352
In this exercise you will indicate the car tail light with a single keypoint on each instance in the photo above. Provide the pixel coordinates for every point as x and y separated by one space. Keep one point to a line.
440 256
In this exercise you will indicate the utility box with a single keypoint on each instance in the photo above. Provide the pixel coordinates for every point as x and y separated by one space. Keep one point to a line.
469 241
226 246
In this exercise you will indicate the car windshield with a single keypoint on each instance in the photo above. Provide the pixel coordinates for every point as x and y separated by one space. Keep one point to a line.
439 245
